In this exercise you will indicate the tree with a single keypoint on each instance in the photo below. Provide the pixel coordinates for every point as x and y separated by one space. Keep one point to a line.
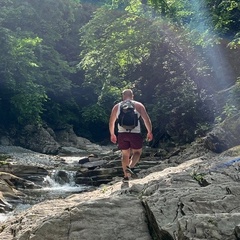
132 48
39 58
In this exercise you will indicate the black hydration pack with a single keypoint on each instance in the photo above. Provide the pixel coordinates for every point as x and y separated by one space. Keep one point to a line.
128 117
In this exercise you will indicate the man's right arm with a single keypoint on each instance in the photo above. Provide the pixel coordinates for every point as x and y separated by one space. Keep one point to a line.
147 121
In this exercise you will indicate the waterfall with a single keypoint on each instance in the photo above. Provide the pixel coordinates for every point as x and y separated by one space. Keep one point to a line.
62 181
58 184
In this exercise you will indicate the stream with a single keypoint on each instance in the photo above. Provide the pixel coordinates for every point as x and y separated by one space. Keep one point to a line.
52 186
52 190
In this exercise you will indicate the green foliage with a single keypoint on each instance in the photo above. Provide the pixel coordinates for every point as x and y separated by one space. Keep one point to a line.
200 178
229 110
94 114
131 41
128 44
28 103
94 122
110 95
158 52
231 105
34 71
112 42
19 78
205 19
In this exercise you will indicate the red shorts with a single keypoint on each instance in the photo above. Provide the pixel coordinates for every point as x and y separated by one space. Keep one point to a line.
130 140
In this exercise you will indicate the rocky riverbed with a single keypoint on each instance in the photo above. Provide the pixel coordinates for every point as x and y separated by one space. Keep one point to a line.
26 169
192 193
37 177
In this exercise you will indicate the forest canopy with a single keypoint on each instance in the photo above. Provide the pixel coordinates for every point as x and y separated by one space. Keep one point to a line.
67 61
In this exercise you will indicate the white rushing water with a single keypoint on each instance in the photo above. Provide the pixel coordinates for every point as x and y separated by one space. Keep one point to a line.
52 190
53 185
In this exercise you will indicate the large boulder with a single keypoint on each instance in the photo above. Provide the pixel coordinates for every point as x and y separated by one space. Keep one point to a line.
70 142
38 139
82 217
224 136
10 196
62 140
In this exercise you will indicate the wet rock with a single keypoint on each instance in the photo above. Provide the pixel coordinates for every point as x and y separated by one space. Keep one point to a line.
96 177
4 205
17 182
10 195
93 165
62 177
31 173
83 160
72 151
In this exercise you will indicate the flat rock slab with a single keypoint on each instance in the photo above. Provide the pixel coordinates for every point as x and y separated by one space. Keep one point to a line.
86 216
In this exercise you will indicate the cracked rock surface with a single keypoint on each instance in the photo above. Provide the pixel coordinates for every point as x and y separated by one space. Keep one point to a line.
165 203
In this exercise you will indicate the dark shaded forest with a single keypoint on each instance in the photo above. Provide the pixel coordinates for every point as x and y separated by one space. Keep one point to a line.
66 62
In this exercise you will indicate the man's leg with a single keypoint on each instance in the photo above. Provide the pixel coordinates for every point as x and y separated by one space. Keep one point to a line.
136 145
125 161
124 146
136 154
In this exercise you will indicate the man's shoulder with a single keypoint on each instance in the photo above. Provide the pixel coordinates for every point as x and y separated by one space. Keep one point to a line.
115 107
137 103
131 100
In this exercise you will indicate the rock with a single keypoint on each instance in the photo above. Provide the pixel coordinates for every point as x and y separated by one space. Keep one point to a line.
17 182
224 136
87 219
215 140
32 173
83 160
72 151
237 231
92 165
9 195
209 226
43 139
98 176
38 139
5 141
62 177
167 202
4 205
65 136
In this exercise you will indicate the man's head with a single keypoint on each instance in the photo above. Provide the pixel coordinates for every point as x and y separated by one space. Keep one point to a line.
127 94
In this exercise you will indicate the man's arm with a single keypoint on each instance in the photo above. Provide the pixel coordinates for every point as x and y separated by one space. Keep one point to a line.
147 121
112 120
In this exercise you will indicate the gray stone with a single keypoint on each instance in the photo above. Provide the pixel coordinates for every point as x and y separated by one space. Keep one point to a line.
166 203
224 136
